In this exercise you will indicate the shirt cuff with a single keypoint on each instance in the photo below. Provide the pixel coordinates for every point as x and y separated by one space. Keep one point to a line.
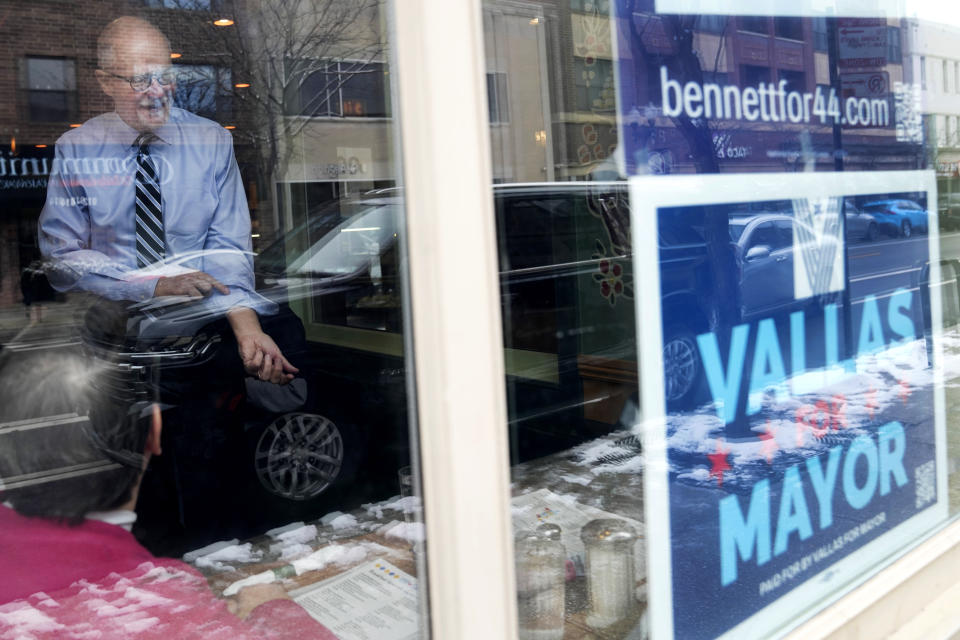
142 289
220 303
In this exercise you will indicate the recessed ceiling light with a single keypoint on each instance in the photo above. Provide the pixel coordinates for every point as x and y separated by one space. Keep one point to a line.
223 22
174 56
74 126
242 85
230 126
41 146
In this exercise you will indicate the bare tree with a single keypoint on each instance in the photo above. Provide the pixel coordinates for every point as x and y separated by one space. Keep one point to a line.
287 61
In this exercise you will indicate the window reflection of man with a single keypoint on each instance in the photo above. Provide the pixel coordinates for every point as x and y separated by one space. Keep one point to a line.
88 227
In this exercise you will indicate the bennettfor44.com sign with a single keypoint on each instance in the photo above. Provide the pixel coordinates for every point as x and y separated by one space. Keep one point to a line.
794 426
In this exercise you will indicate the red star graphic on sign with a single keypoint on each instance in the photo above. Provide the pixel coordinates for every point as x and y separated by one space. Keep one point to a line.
872 405
770 445
719 462
904 391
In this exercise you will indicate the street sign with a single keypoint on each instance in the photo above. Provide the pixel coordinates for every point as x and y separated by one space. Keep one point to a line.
861 42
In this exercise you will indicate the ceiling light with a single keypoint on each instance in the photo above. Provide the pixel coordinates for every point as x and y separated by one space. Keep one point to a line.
174 56
41 146
242 85
74 126
230 126
223 22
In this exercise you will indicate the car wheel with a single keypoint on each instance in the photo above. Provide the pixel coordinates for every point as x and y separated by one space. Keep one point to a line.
906 229
299 456
681 367
872 232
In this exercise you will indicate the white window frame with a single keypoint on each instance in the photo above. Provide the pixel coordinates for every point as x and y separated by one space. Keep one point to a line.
457 331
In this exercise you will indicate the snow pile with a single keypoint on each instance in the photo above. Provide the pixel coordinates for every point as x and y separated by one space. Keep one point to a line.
339 520
572 479
408 505
264 577
409 531
374 509
344 521
333 554
274 533
300 535
294 551
218 560
191 556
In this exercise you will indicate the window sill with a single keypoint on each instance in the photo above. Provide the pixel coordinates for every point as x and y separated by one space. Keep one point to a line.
897 603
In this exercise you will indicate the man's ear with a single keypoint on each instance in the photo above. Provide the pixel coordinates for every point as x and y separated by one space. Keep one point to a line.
104 79
153 436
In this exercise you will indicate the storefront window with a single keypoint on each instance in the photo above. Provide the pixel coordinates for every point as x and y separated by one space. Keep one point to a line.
205 425
727 317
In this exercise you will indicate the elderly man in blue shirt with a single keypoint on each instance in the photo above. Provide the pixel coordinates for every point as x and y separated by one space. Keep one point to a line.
146 201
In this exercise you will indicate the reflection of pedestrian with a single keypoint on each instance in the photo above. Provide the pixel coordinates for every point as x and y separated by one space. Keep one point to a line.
36 290
147 183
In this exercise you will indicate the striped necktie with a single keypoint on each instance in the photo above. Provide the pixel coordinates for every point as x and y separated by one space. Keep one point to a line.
149 226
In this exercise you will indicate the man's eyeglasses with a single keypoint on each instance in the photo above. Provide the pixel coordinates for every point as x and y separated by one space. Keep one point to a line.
142 82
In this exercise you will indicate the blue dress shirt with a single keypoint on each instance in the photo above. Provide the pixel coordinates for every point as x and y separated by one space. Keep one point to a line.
87 226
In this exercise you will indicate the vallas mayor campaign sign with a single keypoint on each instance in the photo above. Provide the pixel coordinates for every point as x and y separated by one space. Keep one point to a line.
793 416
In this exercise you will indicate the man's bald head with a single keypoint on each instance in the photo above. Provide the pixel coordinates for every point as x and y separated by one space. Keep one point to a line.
133 48
124 38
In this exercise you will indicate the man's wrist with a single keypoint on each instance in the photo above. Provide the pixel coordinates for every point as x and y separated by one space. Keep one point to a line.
244 321
143 288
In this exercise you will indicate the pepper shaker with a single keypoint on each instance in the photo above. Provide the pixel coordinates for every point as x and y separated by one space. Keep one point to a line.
611 582
541 569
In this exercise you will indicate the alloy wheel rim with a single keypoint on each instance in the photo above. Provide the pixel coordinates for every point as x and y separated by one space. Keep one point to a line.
299 455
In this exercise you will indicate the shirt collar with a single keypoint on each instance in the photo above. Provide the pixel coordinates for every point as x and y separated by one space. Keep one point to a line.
121 517
127 135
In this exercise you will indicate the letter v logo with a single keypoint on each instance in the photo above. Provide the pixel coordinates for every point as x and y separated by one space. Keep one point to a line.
817 247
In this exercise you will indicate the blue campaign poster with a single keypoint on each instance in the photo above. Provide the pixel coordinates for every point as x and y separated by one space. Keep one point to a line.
793 411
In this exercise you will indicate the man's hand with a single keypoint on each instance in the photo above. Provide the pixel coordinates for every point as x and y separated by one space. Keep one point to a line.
249 598
260 354
195 284
262 358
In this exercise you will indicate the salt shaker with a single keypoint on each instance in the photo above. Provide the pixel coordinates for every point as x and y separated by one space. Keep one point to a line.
541 568
611 583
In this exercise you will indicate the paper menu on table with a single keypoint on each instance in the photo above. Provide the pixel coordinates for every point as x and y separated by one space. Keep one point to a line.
373 601
530 510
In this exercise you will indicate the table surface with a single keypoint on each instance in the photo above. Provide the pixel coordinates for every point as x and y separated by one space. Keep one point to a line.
603 474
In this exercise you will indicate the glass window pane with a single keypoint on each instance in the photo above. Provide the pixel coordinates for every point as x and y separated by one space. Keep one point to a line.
721 215
50 74
204 409
50 106
363 89
203 89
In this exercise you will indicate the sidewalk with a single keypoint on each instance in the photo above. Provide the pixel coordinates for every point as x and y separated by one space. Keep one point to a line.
48 322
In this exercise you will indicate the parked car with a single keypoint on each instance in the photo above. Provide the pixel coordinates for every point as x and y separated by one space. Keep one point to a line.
861 225
335 279
898 217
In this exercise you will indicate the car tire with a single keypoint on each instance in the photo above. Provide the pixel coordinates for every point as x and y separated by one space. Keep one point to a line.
906 229
682 367
872 232
304 463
